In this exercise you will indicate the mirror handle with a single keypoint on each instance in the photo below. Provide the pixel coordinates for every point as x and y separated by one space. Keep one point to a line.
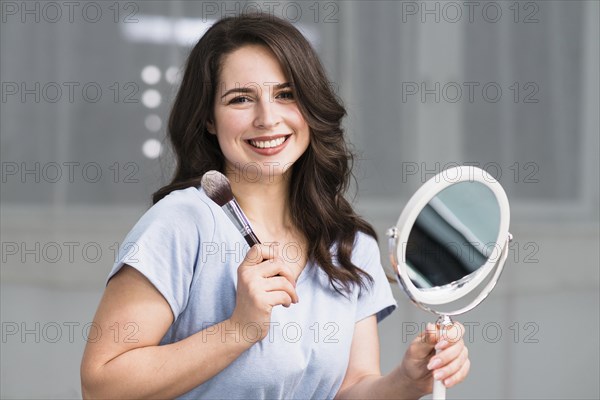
439 390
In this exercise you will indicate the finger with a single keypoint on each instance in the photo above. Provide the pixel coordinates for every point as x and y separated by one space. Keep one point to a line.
452 366
447 355
452 333
429 334
460 376
280 283
279 298
275 267
422 346
258 254
449 335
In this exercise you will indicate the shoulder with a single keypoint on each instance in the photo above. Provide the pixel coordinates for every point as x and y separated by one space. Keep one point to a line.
182 209
365 247
187 201
378 298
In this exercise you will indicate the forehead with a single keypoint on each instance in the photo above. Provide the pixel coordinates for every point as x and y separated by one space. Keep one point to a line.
252 64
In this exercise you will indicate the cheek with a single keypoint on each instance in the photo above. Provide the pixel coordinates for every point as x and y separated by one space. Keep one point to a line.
299 119
229 124
303 127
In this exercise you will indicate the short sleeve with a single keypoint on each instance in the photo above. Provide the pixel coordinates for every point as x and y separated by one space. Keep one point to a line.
377 298
164 246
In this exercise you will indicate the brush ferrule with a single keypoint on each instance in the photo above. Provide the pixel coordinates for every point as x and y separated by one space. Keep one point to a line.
236 215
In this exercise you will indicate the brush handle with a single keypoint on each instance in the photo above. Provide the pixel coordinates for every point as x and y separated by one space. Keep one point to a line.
251 239
236 215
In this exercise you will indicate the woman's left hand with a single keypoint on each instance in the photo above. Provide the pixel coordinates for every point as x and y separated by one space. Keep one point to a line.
421 363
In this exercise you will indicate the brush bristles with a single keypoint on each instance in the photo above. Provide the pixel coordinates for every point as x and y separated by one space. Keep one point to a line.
217 187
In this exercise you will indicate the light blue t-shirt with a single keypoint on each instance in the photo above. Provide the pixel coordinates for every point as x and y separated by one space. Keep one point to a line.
190 251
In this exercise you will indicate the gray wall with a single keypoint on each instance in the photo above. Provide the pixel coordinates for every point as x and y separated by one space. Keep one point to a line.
512 87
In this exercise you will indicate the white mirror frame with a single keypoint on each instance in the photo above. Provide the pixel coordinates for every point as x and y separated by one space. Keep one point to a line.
399 235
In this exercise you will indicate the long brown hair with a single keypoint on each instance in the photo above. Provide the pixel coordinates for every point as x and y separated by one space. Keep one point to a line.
320 177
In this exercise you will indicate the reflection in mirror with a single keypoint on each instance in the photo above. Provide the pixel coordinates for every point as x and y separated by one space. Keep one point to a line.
453 235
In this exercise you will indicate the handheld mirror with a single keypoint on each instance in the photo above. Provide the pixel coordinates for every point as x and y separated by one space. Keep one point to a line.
450 243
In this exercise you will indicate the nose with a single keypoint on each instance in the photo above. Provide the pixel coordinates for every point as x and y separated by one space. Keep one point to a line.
267 115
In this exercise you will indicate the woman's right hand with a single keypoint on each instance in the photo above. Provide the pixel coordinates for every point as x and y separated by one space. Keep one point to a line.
264 281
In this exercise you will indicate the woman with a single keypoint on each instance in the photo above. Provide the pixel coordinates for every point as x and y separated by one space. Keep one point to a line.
189 312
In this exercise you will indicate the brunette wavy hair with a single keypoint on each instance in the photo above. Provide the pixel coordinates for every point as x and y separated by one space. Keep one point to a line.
320 177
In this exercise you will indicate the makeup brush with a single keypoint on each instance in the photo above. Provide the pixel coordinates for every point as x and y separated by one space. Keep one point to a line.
217 187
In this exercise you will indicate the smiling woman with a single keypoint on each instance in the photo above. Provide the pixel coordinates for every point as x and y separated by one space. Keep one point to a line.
207 310
256 118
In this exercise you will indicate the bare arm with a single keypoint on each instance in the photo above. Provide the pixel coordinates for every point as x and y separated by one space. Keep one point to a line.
140 368
134 366
363 378
412 378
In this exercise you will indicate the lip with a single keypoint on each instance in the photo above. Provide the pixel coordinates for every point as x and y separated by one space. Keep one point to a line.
271 137
272 150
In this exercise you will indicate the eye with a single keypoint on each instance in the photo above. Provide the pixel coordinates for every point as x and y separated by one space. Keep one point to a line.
239 100
286 95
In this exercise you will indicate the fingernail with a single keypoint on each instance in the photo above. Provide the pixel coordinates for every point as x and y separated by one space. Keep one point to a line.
447 382
435 362
441 344
437 375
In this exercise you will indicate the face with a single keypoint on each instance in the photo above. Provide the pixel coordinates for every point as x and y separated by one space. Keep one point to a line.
257 121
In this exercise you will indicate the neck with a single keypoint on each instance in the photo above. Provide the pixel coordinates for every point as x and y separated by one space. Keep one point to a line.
265 202
266 206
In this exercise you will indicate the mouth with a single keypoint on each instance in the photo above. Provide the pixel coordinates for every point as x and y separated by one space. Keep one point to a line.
268 142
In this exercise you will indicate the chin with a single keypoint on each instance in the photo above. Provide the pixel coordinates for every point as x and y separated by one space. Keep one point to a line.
258 171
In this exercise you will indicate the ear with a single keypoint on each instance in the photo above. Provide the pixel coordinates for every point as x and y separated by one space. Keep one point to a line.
210 127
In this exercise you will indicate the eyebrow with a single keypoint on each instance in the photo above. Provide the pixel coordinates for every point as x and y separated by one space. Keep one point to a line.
251 90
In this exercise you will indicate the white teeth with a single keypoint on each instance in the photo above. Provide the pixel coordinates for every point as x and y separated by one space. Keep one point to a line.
267 144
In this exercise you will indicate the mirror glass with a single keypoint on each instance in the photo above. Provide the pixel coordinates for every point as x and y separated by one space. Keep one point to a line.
453 236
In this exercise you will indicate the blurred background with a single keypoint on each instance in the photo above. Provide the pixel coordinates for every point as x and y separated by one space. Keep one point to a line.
509 86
